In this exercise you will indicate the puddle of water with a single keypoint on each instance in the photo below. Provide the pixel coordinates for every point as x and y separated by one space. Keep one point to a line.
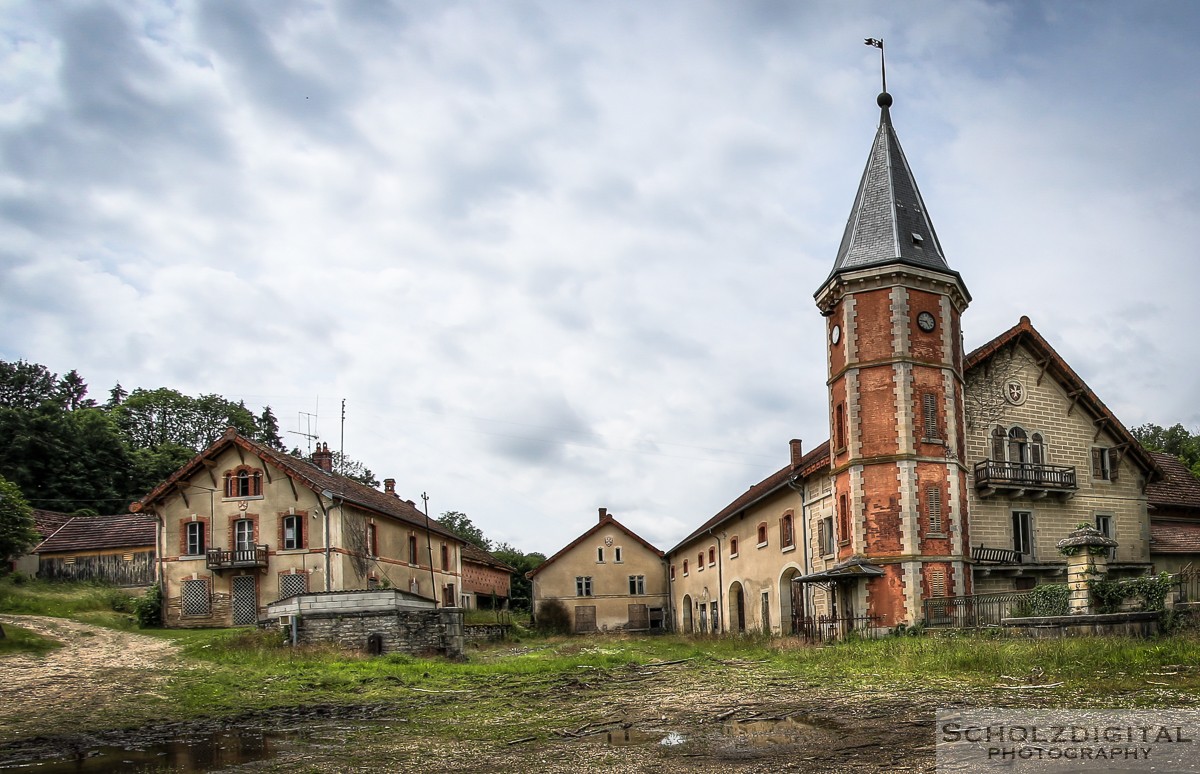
199 752
769 732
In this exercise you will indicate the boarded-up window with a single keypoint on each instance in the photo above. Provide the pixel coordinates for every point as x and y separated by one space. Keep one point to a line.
194 597
933 506
839 425
786 535
639 617
585 619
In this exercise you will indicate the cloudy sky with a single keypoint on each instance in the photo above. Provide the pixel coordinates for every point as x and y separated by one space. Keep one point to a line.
561 255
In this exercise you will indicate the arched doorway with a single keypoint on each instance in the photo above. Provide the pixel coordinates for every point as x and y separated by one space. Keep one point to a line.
686 609
791 601
737 601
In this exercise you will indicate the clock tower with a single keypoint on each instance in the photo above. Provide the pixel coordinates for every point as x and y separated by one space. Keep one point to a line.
892 307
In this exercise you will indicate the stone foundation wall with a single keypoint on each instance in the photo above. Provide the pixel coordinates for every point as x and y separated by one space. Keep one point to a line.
485 632
415 632
1109 624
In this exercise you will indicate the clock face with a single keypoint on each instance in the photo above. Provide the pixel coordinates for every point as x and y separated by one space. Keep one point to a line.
835 335
925 321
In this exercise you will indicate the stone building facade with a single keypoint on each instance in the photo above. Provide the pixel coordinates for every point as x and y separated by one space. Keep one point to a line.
608 578
242 525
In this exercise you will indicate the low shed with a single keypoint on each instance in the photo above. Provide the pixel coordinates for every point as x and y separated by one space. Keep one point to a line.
375 620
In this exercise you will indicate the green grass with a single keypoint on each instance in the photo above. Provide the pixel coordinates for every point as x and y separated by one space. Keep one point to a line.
63 600
19 640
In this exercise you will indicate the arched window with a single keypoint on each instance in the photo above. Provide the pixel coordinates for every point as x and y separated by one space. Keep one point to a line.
243 482
1037 449
685 567
712 556
1018 445
999 441
786 535
762 534
700 561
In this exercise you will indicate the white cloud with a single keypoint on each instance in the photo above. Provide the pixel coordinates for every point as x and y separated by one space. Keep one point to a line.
562 256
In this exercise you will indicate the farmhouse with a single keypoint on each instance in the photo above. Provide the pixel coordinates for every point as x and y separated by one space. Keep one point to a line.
243 525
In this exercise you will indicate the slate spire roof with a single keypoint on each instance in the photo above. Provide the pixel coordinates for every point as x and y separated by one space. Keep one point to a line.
889 223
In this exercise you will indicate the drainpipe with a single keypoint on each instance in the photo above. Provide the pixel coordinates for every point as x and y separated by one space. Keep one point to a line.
429 542
328 555
670 593
720 581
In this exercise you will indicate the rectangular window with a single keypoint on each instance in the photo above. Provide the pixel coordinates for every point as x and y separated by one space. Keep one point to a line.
372 541
583 585
839 425
637 584
733 547
448 595
293 532
446 557
195 538
194 597
243 535
933 507
929 409
937 583
1104 525
1022 522
843 519
600 555
786 536
712 556
412 550
617 554
1104 463
762 534
672 572
825 535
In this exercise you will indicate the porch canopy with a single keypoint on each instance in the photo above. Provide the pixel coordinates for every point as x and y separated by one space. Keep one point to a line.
854 567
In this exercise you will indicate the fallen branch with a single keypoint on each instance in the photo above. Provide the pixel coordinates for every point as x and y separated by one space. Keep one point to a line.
522 740
665 663
1029 687
727 714
427 690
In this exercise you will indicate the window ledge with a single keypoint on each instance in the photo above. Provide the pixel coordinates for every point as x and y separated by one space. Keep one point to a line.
937 535
762 544
236 499
292 550
935 441
733 556
191 557
843 542
788 549
829 555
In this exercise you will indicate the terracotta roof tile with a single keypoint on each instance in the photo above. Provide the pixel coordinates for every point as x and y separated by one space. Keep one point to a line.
46 523
310 476
1178 489
473 553
810 463
89 533
1174 537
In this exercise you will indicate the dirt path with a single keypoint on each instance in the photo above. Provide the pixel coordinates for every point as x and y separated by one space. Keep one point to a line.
96 668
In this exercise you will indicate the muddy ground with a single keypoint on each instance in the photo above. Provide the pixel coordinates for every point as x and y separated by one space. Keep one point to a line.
729 716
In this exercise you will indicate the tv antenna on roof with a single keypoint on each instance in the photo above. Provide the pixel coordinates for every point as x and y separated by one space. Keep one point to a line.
309 422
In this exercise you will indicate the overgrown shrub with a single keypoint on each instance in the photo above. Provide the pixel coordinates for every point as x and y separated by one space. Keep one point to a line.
1049 599
147 609
1149 591
553 618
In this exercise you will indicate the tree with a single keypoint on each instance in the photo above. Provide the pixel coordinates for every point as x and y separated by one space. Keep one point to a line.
116 396
268 430
458 523
353 469
151 418
17 534
72 390
26 385
522 587
1175 440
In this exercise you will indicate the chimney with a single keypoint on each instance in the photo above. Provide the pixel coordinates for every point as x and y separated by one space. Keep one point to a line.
603 514
389 487
797 451
323 458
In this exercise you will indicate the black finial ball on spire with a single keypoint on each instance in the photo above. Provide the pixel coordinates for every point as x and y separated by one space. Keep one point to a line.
884 100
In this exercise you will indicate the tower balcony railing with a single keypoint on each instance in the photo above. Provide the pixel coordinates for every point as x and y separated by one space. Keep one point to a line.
1020 478
231 559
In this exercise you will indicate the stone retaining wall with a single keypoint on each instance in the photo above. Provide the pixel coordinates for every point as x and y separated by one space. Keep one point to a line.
485 632
1120 624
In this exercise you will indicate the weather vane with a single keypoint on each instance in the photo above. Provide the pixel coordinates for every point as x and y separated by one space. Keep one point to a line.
878 43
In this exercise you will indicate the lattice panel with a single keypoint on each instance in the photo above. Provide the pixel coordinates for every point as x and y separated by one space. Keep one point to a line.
245 601
195 599
291 585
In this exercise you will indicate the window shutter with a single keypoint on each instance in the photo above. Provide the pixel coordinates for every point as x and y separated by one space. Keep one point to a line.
1097 469
933 505
930 407
821 539
1114 463
999 441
